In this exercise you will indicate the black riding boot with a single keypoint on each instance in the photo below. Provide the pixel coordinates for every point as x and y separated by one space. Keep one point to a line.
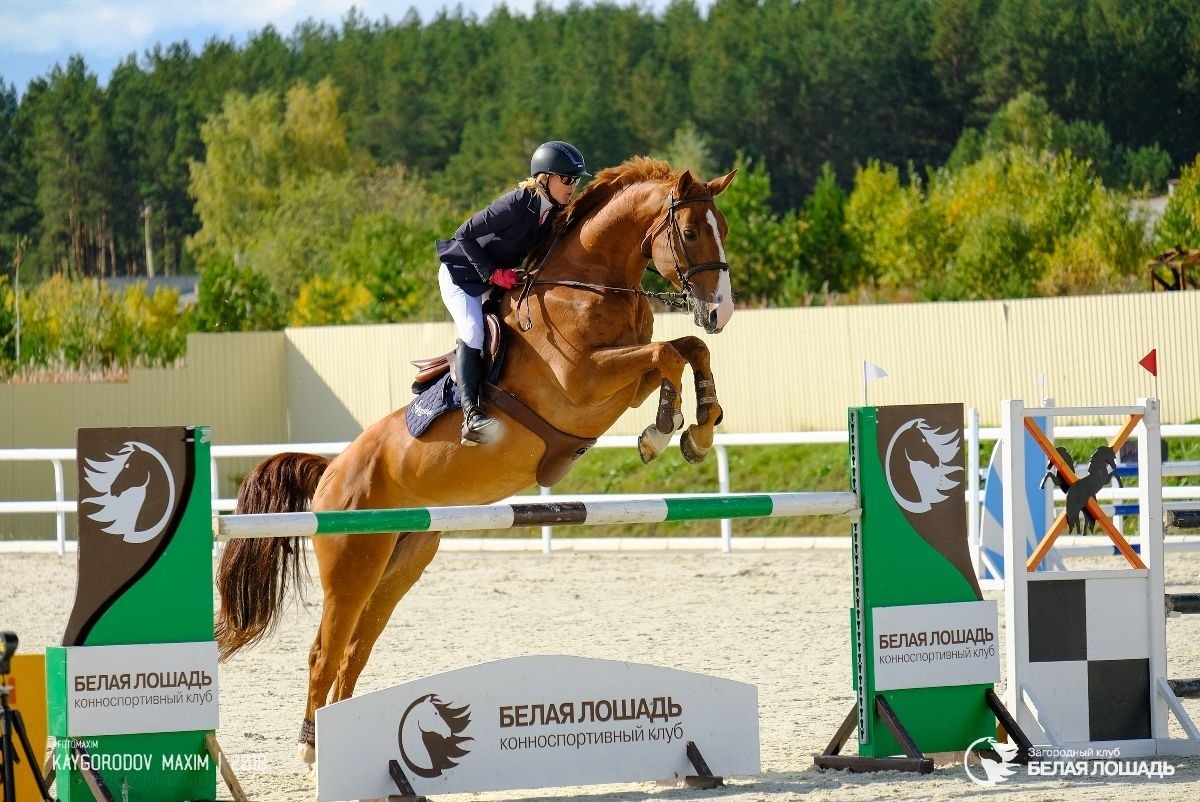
469 366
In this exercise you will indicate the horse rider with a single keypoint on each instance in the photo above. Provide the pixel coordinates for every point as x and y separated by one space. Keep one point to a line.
485 252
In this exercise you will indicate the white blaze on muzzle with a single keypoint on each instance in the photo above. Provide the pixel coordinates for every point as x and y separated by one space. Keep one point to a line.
723 298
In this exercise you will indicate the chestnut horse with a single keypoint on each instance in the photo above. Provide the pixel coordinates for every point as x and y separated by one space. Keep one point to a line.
579 354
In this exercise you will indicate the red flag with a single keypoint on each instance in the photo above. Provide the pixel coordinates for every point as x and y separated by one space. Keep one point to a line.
1150 362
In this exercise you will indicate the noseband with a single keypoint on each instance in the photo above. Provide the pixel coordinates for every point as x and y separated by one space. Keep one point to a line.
670 222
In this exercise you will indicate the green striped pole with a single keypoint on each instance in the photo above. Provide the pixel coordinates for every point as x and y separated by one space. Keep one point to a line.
506 516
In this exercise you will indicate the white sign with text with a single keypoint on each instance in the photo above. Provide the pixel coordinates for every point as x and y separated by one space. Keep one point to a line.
535 722
159 687
936 645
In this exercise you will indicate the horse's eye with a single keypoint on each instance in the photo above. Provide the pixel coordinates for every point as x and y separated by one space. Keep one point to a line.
689 235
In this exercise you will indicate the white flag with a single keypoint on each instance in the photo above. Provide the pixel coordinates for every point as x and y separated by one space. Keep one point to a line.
871 372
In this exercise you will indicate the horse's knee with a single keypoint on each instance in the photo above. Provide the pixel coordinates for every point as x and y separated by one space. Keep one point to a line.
414 552
421 548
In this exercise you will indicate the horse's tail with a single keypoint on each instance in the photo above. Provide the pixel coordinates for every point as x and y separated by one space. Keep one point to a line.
254 574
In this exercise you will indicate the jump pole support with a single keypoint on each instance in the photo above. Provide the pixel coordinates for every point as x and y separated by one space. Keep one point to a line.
1087 649
914 579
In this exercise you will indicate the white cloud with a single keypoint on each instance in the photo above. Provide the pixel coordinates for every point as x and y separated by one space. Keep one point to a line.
117 27
37 34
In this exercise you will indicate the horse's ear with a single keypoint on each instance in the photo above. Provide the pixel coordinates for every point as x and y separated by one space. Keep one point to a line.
718 185
686 179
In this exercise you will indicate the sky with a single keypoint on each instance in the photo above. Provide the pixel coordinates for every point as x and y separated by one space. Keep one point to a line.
37 34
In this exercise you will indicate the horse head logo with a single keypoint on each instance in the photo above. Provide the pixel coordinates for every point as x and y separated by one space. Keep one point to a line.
916 465
126 501
430 735
1102 469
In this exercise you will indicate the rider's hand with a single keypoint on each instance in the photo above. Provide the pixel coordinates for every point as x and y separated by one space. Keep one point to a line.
505 277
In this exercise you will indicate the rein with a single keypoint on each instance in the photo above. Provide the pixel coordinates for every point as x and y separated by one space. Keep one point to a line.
673 300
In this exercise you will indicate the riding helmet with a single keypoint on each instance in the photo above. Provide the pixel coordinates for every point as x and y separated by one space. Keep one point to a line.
560 158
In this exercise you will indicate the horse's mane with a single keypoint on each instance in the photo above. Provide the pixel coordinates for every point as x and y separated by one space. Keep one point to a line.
611 180
602 189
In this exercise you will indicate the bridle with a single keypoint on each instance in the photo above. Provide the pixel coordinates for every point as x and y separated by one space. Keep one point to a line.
670 222
673 300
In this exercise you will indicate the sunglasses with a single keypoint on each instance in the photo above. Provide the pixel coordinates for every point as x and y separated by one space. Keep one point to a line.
569 180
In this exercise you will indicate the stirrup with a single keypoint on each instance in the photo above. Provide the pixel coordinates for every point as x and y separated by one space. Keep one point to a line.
475 424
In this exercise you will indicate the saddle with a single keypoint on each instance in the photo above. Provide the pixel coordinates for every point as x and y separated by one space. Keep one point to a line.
437 395
429 370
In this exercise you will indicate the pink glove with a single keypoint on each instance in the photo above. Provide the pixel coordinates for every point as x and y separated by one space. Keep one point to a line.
505 277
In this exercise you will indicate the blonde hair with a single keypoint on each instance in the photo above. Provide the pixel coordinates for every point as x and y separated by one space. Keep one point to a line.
533 182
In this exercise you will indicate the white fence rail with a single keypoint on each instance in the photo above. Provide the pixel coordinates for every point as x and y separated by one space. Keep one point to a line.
60 505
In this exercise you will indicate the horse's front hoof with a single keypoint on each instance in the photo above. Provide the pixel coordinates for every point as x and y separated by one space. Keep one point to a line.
307 753
651 443
691 452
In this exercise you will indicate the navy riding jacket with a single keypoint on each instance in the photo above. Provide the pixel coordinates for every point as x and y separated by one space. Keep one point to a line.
500 236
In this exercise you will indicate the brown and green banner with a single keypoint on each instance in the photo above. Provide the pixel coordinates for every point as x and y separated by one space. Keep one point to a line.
923 638
139 636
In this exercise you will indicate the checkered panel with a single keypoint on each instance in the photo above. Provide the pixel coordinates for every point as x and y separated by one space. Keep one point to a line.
1089 655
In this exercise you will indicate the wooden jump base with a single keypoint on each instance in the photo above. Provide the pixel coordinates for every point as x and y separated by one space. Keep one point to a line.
509 516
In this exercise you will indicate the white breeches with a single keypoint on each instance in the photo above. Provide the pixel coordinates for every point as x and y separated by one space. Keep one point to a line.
466 310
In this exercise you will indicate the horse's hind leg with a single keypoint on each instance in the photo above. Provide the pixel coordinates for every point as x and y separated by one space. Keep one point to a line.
412 555
351 567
